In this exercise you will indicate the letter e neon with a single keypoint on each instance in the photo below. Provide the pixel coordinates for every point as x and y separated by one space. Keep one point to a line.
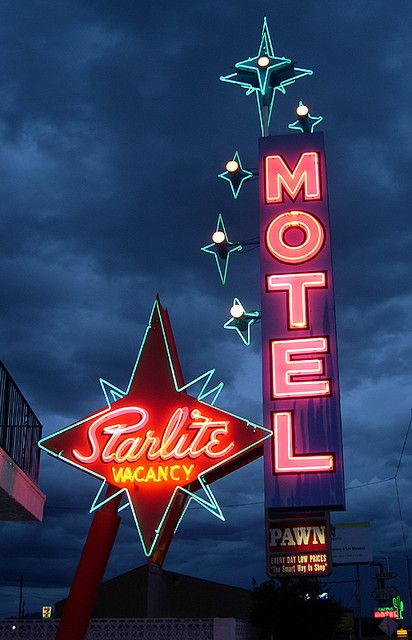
286 367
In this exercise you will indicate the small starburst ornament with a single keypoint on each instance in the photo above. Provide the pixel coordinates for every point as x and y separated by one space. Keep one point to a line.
235 174
305 123
221 248
242 321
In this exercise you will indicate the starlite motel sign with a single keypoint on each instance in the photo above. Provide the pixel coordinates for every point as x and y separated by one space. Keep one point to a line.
156 443
303 460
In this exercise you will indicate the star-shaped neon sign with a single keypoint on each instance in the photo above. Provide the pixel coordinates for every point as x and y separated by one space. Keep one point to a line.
156 443
263 75
265 65
243 322
221 250
306 124
238 177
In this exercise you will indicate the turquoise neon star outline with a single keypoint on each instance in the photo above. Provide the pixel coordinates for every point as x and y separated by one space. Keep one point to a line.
113 393
213 249
250 316
227 175
265 49
265 94
297 125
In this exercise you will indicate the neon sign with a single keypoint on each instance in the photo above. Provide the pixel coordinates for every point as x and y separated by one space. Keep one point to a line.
284 458
395 612
308 123
265 74
283 250
286 367
399 606
156 443
303 461
222 252
296 285
281 180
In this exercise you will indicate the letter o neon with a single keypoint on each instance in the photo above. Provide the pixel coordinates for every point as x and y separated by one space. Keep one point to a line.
306 250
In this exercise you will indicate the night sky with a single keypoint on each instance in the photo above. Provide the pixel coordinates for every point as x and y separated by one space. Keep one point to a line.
114 126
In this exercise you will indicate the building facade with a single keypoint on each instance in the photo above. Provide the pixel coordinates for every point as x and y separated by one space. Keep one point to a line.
150 592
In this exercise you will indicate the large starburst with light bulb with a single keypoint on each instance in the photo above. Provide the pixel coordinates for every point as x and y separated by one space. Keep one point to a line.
265 74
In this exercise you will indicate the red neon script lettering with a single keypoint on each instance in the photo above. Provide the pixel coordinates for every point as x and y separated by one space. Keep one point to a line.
296 286
285 368
284 459
280 178
184 436
115 416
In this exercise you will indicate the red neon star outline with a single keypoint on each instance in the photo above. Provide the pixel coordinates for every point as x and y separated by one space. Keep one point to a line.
156 387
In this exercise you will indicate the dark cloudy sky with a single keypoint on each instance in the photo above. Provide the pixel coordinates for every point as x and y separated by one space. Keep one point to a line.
113 127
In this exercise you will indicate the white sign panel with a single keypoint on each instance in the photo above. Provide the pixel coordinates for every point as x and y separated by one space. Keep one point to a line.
351 543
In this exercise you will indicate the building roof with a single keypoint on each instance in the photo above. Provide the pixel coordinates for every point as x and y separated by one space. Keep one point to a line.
151 592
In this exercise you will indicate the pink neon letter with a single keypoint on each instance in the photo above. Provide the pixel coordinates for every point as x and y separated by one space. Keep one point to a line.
314 236
284 460
286 366
296 285
279 178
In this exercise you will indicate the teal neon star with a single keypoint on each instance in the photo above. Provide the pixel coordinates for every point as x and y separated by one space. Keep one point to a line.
237 178
306 124
221 251
243 324
270 65
264 74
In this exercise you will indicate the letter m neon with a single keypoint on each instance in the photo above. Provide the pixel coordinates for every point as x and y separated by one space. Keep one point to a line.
305 176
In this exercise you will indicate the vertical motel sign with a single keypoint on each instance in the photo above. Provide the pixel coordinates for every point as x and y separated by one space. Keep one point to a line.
303 460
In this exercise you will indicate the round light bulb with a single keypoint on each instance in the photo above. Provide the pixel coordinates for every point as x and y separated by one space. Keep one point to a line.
232 166
302 111
263 61
218 237
237 311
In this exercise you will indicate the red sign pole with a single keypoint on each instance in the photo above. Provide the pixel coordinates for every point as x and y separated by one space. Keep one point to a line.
90 571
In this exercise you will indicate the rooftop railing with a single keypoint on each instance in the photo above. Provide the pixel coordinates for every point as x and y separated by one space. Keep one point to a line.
20 430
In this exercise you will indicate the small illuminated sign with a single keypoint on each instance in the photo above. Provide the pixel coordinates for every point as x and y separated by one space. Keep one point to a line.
351 543
395 612
156 443
303 460
298 544
46 612
386 612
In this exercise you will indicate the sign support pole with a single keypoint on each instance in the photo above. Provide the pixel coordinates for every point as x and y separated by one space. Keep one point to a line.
358 602
90 571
